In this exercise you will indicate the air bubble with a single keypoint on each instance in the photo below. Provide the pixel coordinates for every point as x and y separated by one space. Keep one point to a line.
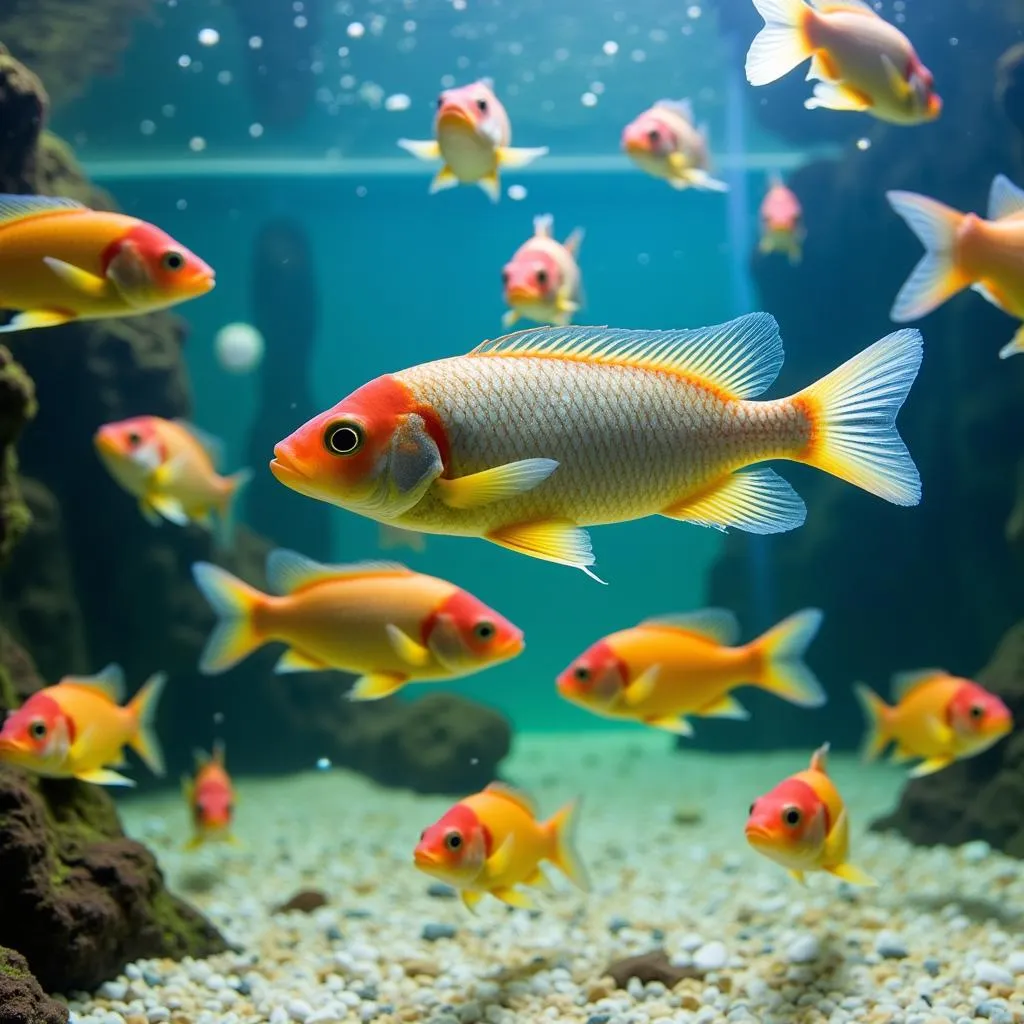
255 43
256 130
516 192
610 48
588 99
356 30
209 37
147 127
184 61
399 101
197 144
863 144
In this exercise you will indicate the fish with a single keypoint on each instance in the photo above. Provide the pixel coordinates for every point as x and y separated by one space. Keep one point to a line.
963 250
664 142
802 824
542 280
533 437
860 60
472 138
379 620
673 666
211 799
170 466
78 729
938 718
61 262
782 227
492 842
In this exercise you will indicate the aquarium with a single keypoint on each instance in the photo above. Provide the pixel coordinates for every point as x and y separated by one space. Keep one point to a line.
511 512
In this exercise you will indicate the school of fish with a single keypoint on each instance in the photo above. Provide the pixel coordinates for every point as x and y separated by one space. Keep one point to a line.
527 441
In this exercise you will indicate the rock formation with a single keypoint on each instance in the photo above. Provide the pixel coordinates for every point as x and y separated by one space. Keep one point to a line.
22 1000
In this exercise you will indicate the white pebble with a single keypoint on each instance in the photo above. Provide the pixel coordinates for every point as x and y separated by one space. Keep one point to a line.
989 973
158 1015
890 945
1015 962
975 851
712 956
279 1015
804 949
115 991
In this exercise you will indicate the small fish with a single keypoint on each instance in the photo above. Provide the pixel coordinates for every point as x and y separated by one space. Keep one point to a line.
937 717
211 799
964 250
664 142
542 280
78 729
472 136
861 61
170 466
492 842
390 537
385 623
677 665
531 438
802 824
60 261
782 227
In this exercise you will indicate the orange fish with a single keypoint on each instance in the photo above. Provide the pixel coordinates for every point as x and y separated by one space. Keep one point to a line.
382 621
664 142
964 250
542 280
937 717
170 466
60 261
211 799
492 842
802 824
861 61
677 665
472 136
77 729
533 437
782 228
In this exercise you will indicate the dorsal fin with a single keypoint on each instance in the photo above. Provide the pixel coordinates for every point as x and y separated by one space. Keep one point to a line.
775 179
741 357
213 446
108 681
684 108
288 571
513 795
543 225
819 759
1004 198
718 624
15 208
201 759
904 682
573 242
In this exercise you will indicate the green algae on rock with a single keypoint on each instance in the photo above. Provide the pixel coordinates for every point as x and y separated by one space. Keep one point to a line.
17 406
22 1000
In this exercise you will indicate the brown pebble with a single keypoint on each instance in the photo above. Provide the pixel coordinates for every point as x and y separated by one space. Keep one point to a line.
305 901
653 966
688 1001
425 967
686 816
600 989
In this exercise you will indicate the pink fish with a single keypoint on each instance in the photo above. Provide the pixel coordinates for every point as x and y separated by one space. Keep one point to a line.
664 142
542 280
472 135
782 227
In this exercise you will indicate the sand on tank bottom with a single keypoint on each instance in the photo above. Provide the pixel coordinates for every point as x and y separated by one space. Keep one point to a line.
939 940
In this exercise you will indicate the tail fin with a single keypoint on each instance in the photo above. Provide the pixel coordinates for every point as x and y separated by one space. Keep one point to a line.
783 42
143 709
876 711
233 638
236 483
783 648
561 828
852 414
936 278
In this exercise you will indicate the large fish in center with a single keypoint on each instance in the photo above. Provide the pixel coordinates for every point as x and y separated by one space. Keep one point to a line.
532 437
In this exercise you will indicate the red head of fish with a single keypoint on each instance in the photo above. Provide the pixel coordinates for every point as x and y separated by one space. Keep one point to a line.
649 135
37 734
788 821
455 847
595 678
531 276
974 713
465 633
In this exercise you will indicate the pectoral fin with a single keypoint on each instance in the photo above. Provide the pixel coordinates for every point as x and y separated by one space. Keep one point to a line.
170 508
553 540
470 898
412 653
81 280
642 687
426 149
104 777
33 318
376 685
498 862
699 178
900 87
509 317
509 157
798 876
490 485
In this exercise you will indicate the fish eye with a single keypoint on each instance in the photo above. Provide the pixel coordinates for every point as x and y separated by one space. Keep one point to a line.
343 438
134 438
484 630
453 840
752 806
482 106
582 674
37 729
654 135
542 276
976 712
504 277
172 260
791 816
423 835
440 101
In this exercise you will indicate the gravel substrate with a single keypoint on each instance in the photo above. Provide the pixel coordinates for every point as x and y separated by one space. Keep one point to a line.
662 837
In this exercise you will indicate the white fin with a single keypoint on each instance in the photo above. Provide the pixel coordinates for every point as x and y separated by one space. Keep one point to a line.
701 179
426 149
170 508
109 681
903 682
984 291
1004 199
573 242
753 500
742 357
684 108
288 571
844 5
512 158
718 624
834 96
781 45
543 225
213 446
14 208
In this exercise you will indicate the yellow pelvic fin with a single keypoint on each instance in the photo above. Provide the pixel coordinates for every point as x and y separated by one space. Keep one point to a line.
443 180
931 765
81 280
296 661
798 876
104 777
553 540
33 318
679 726
834 96
641 688
700 178
425 149
756 501
900 755
470 898
514 898
497 484
565 305
491 186
853 875
727 707
169 508
376 685
411 652
194 843
1014 346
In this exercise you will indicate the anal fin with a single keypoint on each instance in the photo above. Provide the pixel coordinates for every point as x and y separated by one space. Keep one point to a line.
1014 346
104 777
491 186
853 875
295 661
757 501
33 318
669 723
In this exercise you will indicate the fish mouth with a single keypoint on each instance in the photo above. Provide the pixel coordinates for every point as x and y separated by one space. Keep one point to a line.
104 443
758 835
513 647
634 147
10 748
454 117
288 472
521 295
424 860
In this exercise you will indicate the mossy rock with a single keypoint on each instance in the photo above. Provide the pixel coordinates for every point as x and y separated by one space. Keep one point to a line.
22 1000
